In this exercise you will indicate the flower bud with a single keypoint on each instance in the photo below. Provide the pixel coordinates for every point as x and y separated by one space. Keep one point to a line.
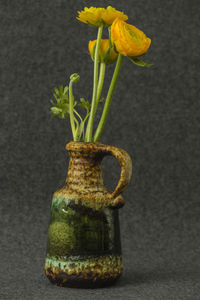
75 77
106 54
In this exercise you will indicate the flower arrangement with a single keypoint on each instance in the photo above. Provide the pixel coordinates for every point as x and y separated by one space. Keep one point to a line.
124 40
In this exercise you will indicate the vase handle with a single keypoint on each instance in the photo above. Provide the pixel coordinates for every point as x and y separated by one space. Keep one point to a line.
126 171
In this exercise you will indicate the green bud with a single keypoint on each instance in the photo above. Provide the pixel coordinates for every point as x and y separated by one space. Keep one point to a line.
75 77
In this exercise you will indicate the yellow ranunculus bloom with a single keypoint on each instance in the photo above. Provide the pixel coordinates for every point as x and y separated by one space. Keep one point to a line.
129 40
97 16
111 14
105 55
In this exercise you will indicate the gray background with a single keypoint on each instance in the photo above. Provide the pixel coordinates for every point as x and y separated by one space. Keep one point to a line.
155 117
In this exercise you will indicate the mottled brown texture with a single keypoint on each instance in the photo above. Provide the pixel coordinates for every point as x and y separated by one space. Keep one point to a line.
94 272
85 179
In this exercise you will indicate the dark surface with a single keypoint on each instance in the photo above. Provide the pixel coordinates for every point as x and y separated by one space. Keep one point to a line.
155 117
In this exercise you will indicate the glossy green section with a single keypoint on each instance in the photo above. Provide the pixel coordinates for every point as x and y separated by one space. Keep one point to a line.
75 261
79 230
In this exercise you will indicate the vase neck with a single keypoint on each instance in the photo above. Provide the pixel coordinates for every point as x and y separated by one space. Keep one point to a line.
85 171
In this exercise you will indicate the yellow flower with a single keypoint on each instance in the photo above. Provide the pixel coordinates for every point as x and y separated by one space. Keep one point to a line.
111 14
98 16
106 54
129 40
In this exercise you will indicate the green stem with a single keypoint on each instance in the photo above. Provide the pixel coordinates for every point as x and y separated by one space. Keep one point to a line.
71 110
108 99
78 115
94 95
100 83
84 127
77 137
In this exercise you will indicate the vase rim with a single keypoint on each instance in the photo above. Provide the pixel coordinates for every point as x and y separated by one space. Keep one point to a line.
85 146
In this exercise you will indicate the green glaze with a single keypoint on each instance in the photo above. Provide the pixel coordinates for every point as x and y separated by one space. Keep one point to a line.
74 229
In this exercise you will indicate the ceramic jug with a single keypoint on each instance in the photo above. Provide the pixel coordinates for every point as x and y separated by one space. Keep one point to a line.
84 247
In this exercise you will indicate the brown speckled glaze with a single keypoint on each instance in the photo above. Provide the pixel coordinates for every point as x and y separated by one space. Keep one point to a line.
84 249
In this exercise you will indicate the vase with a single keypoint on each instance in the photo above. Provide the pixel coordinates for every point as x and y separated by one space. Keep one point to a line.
84 247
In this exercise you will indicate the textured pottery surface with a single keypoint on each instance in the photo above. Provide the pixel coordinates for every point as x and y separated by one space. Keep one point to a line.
84 248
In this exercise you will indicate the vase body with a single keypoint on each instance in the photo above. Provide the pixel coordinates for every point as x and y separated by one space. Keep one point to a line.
84 248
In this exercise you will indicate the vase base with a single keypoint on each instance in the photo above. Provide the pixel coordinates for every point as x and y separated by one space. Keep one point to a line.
92 272
82 283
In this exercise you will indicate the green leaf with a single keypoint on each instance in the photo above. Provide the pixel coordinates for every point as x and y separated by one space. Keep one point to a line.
139 62
55 96
61 106
56 111
56 91
66 90
52 102
101 100
84 104
65 107
61 89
